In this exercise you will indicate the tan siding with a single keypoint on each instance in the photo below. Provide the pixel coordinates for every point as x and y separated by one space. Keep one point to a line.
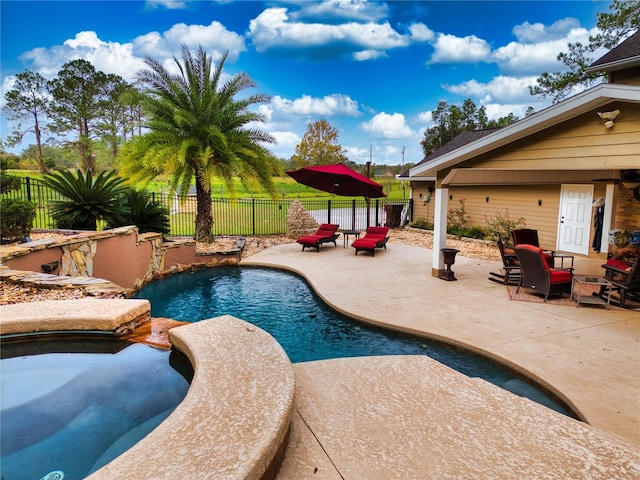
520 201
421 209
582 143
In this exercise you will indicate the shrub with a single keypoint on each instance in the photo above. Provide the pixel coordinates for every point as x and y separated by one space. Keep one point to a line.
422 223
503 225
457 218
9 183
16 219
87 199
140 210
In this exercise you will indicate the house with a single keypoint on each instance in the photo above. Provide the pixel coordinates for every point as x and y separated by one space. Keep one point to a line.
552 168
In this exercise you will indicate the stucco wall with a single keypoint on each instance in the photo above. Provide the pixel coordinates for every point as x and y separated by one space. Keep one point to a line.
120 256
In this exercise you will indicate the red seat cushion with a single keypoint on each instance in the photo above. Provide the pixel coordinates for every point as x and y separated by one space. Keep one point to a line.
621 264
365 243
559 276
311 239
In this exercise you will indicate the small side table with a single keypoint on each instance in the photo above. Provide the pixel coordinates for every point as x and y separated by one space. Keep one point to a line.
345 236
563 257
579 280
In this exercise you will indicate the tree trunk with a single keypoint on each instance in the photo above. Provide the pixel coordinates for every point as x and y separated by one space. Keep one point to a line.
41 165
204 220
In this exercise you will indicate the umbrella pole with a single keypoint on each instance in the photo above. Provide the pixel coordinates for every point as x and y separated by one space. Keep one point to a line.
368 211
353 214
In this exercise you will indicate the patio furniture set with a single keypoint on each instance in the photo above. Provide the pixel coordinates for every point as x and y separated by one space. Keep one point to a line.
375 237
530 267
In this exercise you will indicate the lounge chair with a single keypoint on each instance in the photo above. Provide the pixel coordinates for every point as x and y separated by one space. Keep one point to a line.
510 266
625 281
538 275
529 236
375 237
326 233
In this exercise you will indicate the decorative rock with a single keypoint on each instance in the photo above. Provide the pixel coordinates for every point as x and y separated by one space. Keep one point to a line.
299 221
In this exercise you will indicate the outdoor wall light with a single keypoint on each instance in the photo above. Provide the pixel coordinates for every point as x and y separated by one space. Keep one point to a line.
486 199
450 197
539 202
609 117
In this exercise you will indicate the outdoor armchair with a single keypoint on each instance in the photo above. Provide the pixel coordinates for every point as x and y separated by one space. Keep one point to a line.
510 265
624 279
536 274
529 236
375 237
327 232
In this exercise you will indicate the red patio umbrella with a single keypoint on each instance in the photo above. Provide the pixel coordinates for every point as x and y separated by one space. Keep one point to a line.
339 180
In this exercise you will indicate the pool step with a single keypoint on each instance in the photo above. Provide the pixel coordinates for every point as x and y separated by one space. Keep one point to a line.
154 332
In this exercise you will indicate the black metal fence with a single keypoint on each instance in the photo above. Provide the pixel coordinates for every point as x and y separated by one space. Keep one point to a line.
243 216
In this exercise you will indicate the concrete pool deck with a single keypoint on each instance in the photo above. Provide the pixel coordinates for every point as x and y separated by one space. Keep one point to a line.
389 417
588 356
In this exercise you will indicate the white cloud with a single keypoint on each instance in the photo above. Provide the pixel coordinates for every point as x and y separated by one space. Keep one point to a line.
329 105
452 49
125 59
498 110
425 117
524 57
384 125
214 38
168 4
273 30
286 140
538 32
109 57
357 10
421 33
500 89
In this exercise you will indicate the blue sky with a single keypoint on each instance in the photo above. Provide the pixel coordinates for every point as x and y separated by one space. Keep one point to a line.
373 70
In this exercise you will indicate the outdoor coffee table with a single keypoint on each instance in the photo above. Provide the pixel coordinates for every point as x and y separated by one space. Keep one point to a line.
579 280
345 236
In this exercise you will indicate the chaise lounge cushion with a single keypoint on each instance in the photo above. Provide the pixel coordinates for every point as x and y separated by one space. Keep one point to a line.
376 237
325 233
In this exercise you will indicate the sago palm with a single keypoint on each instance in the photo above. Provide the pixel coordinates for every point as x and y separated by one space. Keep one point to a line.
198 130
87 200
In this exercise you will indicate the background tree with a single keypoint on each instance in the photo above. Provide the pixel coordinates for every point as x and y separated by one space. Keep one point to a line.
623 19
198 129
114 114
451 120
27 99
75 106
319 146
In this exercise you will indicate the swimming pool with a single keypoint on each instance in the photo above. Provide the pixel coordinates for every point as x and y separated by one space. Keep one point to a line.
284 305
70 406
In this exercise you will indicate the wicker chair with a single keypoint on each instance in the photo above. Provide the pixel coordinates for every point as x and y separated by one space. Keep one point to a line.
538 275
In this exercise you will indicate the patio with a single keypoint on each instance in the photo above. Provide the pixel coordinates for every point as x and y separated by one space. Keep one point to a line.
587 356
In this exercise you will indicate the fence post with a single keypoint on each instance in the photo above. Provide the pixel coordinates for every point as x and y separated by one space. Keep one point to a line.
377 212
353 214
253 215
28 183
328 211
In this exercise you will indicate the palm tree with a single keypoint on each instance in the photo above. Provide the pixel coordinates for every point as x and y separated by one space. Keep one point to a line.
87 200
198 129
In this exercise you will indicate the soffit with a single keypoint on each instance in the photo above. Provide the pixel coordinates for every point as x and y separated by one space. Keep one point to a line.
482 176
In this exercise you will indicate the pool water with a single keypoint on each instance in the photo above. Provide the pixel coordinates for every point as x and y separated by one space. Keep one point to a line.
283 304
70 407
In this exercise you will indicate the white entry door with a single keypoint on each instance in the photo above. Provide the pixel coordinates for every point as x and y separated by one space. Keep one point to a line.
575 219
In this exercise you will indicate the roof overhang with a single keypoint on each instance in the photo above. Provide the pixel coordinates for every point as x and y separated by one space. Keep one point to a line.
615 66
491 176
579 104
416 179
